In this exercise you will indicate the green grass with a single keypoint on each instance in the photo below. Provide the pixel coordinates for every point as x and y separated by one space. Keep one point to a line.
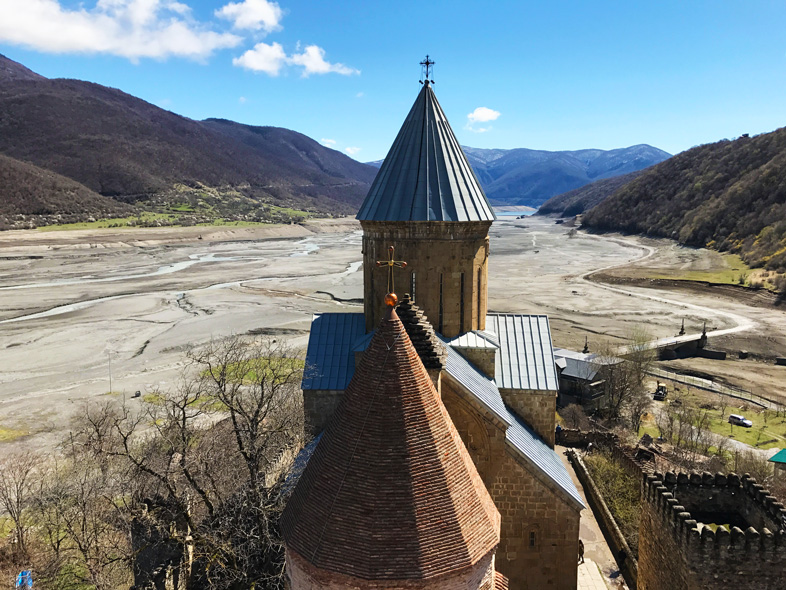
116 223
734 269
155 399
773 435
11 434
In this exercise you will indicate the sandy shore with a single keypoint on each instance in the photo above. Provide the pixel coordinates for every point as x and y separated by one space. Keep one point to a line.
71 303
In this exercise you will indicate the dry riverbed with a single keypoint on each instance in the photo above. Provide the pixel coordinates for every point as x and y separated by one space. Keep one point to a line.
74 303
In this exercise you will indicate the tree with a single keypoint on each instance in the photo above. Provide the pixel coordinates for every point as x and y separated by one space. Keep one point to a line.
623 371
208 462
17 480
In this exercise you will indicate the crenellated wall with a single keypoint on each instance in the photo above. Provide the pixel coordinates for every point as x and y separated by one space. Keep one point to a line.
677 552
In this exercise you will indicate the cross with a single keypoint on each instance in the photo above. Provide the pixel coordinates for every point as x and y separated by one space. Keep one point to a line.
427 63
390 263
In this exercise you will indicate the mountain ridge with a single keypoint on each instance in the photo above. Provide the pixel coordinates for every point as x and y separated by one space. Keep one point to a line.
523 176
122 147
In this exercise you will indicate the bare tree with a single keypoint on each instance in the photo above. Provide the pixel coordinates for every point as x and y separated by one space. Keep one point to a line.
575 417
17 480
209 460
623 371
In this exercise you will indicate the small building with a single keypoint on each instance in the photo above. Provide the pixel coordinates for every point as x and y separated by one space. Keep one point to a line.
580 378
779 460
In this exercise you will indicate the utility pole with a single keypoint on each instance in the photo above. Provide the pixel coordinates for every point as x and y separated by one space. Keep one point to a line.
109 356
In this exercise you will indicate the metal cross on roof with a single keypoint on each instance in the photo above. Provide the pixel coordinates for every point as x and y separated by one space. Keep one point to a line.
391 264
426 65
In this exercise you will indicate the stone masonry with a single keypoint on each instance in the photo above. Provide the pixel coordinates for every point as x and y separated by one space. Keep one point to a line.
539 535
677 551
536 408
443 256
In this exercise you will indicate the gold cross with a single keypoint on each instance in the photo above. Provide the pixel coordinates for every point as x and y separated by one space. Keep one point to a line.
391 264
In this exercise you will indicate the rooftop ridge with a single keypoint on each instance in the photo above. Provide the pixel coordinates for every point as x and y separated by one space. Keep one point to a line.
659 490
421 333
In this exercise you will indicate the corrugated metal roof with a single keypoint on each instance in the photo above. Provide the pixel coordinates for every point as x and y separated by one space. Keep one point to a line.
330 362
540 455
520 436
525 359
426 176
579 369
475 339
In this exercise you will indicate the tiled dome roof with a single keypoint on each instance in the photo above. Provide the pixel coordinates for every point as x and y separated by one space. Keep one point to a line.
390 492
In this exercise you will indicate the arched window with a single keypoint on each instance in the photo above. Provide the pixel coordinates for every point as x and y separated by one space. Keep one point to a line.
441 312
461 299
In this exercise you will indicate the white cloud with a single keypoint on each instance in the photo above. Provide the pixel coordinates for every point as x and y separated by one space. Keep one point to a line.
270 58
483 115
254 15
132 29
242 100
313 61
360 95
352 150
328 142
263 58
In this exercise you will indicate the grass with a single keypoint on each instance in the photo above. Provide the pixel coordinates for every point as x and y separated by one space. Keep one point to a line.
730 274
115 223
155 399
11 434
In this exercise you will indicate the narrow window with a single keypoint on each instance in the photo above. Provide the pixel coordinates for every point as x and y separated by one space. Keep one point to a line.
461 299
533 540
372 297
440 303
480 294
412 286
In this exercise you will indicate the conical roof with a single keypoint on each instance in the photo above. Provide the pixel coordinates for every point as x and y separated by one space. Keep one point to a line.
391 492
426 176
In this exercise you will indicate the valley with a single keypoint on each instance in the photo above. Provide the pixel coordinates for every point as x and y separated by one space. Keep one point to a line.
77 305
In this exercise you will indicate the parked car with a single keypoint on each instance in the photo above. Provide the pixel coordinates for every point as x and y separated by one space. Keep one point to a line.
738 420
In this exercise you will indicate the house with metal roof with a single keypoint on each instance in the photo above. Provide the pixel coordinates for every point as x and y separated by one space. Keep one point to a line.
495 373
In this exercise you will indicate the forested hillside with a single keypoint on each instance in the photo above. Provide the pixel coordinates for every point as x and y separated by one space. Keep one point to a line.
27 191
122 147
729 195
585 198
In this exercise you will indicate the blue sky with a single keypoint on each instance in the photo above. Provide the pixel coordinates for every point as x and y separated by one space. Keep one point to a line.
545 75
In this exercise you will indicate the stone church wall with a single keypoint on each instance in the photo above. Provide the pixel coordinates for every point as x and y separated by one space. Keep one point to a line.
526 505
676 553
434 251
319 405
537 408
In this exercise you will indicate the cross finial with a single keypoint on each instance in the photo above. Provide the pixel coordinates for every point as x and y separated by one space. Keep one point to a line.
390 263
426 68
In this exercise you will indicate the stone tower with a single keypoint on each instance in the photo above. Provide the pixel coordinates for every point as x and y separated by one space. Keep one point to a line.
391 498
427 203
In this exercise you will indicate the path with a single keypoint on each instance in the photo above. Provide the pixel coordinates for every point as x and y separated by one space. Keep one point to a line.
597 554
743 323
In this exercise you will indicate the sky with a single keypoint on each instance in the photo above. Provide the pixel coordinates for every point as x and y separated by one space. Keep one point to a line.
553 75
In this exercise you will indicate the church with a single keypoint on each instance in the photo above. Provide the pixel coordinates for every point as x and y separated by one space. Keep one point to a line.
435 465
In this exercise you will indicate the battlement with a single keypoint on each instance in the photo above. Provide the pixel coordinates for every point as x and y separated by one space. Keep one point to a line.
681 499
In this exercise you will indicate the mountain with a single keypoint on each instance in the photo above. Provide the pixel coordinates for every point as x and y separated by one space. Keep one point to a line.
29 191
730 195
585 198
123 147
530 177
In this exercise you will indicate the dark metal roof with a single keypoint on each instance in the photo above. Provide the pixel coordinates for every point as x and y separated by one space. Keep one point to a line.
426 176
330 362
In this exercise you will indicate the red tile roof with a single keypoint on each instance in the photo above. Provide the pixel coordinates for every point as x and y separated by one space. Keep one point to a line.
390 492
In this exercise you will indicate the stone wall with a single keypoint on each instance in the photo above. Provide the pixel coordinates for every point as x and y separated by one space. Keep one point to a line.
676 552
526 504
537 408
439 253
319 405
608 525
